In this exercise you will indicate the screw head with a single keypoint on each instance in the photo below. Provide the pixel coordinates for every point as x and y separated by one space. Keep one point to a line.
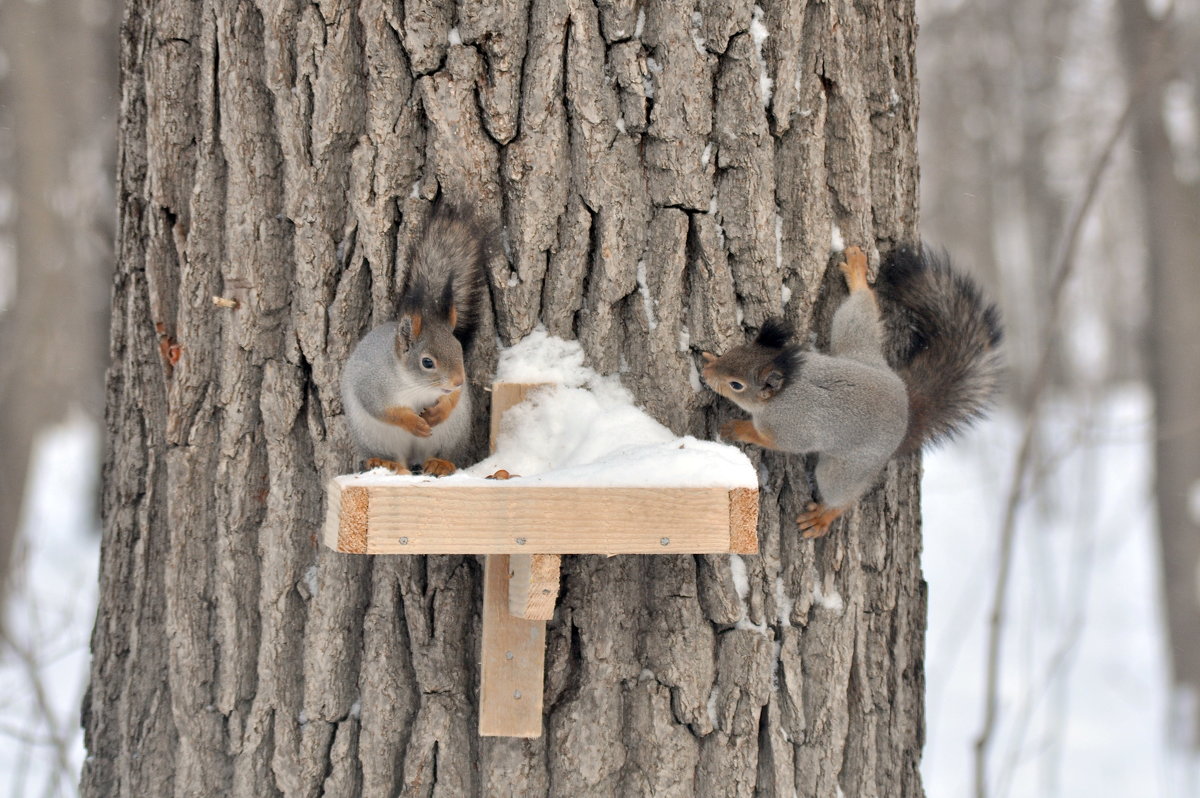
403 541
520 541
665 541
517 694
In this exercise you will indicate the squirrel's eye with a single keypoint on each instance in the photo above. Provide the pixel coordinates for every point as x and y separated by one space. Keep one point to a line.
735 385
427 363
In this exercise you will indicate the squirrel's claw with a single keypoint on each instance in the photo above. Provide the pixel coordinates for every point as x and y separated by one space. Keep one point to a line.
816 521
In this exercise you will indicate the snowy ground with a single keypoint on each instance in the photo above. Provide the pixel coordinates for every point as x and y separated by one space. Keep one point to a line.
1084 699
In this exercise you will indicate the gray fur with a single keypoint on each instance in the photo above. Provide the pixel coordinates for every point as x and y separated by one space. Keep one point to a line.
388 368
849 406
375 378
949 338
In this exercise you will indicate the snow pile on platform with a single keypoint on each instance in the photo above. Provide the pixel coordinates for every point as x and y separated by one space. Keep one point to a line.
586 430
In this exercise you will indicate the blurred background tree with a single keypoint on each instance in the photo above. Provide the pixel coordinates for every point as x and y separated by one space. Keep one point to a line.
1162 56
1017 100
58 106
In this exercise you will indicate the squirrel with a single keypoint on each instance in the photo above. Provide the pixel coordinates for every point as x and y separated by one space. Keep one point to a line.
404 386
849 406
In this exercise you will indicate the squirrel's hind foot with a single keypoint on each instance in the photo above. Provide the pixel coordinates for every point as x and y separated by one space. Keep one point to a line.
437 467
391 465
854 267
815 523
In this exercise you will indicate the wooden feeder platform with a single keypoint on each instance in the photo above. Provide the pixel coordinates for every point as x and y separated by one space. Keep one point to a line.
523 530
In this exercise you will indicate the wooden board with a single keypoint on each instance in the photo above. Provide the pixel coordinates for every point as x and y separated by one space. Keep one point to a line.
522 529
511 662
533 585
513 519
504 396
512 648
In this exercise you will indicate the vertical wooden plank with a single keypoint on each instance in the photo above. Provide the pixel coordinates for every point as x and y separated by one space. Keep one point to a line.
512 650
504 396
511 662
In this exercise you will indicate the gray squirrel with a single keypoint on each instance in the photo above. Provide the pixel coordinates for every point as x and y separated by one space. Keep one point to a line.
849 406
404 386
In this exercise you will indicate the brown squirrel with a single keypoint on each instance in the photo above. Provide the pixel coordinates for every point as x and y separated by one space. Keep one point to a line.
849 406
403 387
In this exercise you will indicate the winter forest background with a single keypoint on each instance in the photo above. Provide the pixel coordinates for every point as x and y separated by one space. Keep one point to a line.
1066 636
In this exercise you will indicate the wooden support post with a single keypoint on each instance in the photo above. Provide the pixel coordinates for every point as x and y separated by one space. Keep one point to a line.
512 655
511 662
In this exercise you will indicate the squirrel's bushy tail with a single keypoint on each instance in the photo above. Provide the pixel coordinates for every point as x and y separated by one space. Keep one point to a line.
446 268
950 343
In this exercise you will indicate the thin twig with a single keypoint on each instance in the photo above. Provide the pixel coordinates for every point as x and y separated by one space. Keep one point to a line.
1016 493
59 741
1077 589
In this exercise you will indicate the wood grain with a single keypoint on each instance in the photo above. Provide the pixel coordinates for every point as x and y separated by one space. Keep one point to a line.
506 395
515 519
512 646
533 585
511 662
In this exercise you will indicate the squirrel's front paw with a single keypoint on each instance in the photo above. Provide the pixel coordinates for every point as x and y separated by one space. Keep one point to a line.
440 410
406 419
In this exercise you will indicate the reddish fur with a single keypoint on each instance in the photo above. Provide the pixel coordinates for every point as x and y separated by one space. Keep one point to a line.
392 465
441 410
816 522
407 419
745 431
436 466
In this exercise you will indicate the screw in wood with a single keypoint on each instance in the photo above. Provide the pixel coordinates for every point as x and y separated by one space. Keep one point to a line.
508 655
520 541
403 541
665 541
517 694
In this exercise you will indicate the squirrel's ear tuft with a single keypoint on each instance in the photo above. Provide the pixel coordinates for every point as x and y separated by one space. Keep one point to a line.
408 330
775 333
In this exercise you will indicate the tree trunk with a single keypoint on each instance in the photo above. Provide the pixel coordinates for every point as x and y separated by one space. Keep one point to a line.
284 156
1172 202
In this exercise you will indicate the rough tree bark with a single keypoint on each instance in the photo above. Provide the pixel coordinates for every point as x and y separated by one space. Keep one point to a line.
284 155
1155 50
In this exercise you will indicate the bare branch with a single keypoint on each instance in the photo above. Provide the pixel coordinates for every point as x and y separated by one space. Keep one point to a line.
1064 266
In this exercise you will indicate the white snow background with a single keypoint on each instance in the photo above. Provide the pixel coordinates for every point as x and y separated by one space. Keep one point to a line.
44 658
1085 702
